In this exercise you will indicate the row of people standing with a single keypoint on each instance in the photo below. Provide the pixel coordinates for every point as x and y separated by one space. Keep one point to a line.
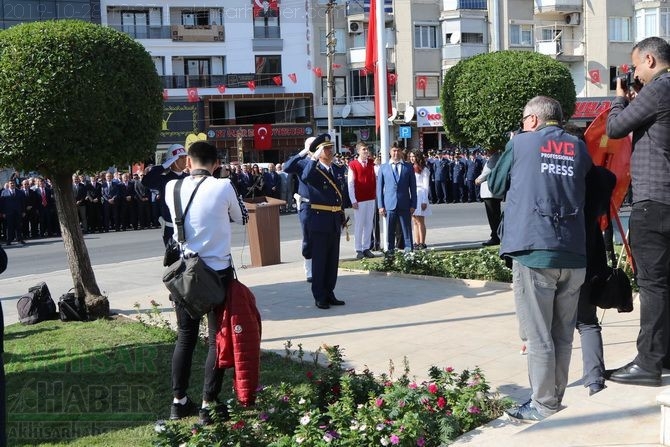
453 175
28 210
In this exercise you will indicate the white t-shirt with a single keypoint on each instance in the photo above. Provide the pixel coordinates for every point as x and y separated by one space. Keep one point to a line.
207 224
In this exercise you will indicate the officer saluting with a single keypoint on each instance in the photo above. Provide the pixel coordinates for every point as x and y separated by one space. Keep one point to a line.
325 182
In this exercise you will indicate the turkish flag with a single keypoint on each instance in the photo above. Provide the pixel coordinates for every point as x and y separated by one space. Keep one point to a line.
192 94
221 88
337 65
265 8
595 76
317 71
263 136
371 59
251 85
293 77
277 79
391 78
421 82
165 94
624 68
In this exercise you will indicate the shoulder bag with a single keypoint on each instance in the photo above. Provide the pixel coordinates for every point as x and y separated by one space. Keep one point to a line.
192 284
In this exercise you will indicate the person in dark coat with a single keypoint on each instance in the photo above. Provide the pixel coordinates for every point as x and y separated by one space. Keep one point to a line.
94 202
29 224
80 191
14 209
271 182
45 207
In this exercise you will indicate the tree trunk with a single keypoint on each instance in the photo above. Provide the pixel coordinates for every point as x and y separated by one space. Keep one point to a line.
85 285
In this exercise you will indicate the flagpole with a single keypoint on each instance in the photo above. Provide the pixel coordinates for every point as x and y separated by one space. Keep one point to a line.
382 89
330 84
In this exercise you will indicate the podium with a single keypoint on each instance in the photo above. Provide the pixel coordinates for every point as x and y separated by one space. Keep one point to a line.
263 230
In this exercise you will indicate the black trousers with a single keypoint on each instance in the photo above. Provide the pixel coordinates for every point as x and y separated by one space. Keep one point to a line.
492 207
182 357
650 244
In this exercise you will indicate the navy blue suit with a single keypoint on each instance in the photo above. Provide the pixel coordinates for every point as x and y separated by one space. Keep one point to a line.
295 165
13 207
397 194
325 226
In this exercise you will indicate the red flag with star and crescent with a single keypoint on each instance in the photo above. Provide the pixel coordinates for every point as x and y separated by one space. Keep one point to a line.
263 136
371 59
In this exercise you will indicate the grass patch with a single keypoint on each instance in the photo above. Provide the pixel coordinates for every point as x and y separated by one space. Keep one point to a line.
102 383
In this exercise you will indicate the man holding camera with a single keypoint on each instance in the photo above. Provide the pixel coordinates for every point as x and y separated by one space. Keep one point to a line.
646 113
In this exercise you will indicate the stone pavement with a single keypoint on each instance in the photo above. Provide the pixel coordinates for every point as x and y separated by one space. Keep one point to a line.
428 321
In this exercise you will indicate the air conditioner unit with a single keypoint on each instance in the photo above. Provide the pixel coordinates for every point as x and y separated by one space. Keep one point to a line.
572 19
355 27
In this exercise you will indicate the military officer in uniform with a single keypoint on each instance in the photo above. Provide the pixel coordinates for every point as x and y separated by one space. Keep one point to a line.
325 183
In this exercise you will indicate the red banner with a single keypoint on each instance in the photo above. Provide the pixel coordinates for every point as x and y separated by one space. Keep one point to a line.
265 8
595 76
277 80
251 85
192 94
263 136
221 88
421 82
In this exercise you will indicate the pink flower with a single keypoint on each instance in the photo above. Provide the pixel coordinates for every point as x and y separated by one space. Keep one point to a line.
474 410
432 388
194 431
401 403
379 402
394 439
239 425
421 442
449 369
310 374
441 402
412 386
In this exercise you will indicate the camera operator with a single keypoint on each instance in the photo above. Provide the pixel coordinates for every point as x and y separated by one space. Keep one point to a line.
646 113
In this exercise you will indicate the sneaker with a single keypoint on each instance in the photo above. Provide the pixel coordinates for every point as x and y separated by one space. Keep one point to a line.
179 411
525 413
218 414
359 255
368 254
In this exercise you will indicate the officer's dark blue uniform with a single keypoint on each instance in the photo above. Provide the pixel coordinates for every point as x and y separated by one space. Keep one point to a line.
325 218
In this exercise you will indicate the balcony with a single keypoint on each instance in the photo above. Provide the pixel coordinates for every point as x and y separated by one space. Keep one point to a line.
462 50
564 50
197 33
143 31
356 56
187 81
450 5
553 6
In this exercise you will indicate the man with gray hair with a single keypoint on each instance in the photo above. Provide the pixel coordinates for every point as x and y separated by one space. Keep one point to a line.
648 117
543 172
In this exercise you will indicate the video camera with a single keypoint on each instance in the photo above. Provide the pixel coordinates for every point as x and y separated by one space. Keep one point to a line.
628 80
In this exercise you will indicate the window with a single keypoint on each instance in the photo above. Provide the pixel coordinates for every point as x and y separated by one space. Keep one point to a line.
195 18
267 67
471 4
427 86
340 41
135 23
340 93
472 38
521 35
362 85
664 25
266 20
425 36
619 29
197 72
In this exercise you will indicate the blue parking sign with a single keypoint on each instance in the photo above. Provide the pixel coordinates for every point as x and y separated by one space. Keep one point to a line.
405 131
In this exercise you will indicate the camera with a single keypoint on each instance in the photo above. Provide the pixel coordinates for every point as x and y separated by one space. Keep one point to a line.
628 80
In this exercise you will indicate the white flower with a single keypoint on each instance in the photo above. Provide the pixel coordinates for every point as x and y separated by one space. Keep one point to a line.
299 440
271 410
380 427
305 420
354 425
327 437
160 426
362 427
302 401
384 440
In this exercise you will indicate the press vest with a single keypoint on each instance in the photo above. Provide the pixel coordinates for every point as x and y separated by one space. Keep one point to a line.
545 201
365 182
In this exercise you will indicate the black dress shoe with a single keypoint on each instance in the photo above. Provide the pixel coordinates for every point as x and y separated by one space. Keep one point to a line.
321 305
491 242
633 374
335 302
309 279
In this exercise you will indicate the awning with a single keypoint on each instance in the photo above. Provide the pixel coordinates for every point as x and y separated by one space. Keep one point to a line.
346 122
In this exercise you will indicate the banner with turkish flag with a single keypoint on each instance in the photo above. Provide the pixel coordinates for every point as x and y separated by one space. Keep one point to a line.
221 88
595 76
166 95
277 79
192 94
371 59
262 136
251 85
421 82
293 77
265 8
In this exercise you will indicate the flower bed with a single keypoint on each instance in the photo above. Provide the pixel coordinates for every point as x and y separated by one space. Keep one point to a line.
339 407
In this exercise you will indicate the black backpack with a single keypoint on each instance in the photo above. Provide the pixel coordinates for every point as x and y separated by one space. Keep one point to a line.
36 305
71 308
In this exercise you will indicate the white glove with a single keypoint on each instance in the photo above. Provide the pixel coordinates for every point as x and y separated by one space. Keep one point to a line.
304 152
166 165
317 154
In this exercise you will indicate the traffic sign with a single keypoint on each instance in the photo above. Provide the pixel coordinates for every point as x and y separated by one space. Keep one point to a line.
405 131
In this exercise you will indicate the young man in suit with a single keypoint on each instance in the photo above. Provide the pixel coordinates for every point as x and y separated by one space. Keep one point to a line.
396 196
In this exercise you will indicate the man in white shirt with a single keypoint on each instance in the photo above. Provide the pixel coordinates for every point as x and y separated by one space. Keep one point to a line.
207 232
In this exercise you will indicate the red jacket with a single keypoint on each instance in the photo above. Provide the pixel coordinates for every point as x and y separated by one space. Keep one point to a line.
238 340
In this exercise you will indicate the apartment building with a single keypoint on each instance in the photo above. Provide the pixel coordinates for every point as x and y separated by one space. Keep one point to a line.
239 72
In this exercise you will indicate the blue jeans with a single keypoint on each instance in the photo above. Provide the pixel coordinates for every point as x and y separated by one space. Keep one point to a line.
650 243
546 307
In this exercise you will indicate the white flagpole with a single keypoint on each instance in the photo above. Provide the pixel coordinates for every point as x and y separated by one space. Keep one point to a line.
382 89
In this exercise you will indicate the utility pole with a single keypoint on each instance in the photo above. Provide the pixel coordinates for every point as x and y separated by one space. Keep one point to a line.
331 42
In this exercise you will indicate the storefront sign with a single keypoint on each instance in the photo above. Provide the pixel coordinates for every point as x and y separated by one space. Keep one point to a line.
429 116
248 132
589 108
179 120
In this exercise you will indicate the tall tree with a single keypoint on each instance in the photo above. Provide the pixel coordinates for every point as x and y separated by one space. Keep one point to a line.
75 96
483 96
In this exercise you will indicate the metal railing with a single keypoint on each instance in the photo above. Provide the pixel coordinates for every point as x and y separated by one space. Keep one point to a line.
144 31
